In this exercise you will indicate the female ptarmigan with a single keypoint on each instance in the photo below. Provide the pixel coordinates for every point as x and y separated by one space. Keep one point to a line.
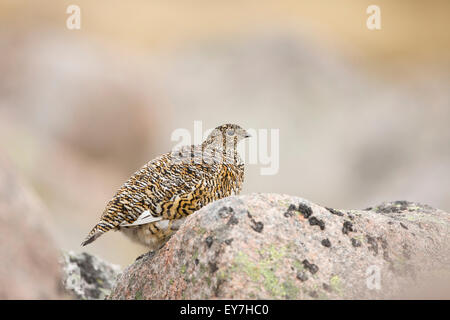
153 203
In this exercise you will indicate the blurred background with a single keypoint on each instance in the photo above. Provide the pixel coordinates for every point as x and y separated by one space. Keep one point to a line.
363 114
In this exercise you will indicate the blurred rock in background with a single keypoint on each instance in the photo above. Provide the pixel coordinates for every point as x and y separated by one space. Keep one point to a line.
28 253
87 277
363 115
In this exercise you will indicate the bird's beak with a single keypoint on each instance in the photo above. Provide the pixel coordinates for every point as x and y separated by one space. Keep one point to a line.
247 135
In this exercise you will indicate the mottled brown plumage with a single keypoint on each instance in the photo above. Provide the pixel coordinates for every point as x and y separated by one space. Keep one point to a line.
153 203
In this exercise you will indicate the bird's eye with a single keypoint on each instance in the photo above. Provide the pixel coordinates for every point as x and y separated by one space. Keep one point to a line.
230 132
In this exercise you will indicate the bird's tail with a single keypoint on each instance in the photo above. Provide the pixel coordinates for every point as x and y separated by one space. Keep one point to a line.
110 220
94 234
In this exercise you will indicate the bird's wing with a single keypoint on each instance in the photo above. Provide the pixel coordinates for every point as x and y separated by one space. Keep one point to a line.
144 218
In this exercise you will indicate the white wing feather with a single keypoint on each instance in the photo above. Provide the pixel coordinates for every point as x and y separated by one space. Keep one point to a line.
144 218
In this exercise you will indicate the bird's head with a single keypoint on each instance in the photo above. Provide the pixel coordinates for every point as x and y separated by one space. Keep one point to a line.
228 134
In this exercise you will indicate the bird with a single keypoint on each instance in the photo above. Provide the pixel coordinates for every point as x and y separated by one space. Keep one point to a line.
154 202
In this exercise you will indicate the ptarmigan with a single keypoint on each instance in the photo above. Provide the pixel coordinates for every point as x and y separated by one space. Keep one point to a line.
153 203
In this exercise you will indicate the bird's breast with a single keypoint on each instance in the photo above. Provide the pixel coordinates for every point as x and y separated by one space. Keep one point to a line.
153 235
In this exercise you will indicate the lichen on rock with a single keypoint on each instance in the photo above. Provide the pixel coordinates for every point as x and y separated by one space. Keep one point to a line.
270 246
87 277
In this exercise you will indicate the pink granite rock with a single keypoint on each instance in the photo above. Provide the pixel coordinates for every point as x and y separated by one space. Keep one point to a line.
269 246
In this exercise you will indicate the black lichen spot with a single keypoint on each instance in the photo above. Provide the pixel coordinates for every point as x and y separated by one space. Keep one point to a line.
402 204
148 255
302 276
394 207
233 220
290 211
406 251
257 226
368 209
403 226
347 227
326 243
229 241
313 294
219 282
140 257
305 210
335 212
384 246
196 261
288 214
310 266
209 241
225 212
373 244
213 267
384 243
356 242
326 287
316 222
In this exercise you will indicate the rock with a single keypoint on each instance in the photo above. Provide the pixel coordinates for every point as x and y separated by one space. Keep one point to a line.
269 246
88 277
28 254
105 106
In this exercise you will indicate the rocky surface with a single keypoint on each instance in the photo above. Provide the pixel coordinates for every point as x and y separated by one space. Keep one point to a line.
269 246
28 254
88 277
